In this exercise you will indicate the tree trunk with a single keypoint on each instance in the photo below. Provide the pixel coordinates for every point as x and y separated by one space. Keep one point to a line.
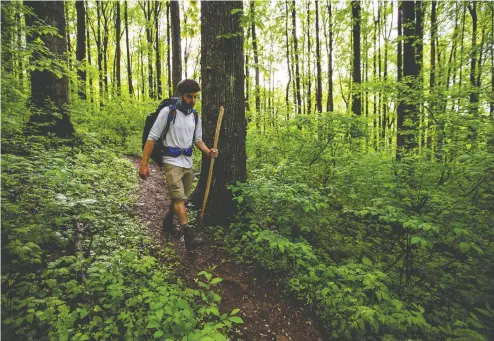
106 11
287 40
356 77
474 96
81 47
432 76
330 103
118 51
492 63
176 45
157 12
89 60
256 64
168 50
406 133
247 76
223 84
100 54
46 87
295 54
127 43
318 64
146 9
309 69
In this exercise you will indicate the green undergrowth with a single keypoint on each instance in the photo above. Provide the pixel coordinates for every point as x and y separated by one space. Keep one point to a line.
379 249
76 262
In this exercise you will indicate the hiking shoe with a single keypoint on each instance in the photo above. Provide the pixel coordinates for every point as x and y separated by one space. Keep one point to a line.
191 241
168 225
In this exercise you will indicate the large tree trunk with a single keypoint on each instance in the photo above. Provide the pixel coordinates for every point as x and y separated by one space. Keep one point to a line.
176 45
406 133
222 74
356 77
46 87
81 47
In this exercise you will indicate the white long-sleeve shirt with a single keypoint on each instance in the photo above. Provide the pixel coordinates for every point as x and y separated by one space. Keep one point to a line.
180 135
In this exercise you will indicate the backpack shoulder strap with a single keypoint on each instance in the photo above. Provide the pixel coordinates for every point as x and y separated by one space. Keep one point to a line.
196 119
171 117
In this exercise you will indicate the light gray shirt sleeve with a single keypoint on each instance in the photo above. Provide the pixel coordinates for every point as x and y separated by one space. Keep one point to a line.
159 124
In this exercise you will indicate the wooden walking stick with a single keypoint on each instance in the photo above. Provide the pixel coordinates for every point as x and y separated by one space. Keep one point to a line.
215 146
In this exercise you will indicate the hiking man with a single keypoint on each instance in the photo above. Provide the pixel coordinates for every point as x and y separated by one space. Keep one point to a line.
184 130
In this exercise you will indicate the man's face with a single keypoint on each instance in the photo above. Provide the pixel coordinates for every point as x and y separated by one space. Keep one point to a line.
190 98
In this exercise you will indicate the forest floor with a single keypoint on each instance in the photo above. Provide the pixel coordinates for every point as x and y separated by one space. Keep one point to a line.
268 314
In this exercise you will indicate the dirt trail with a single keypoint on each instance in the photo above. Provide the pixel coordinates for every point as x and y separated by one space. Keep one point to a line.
267 313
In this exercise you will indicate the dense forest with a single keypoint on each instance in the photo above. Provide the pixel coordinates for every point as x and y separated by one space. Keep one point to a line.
356 164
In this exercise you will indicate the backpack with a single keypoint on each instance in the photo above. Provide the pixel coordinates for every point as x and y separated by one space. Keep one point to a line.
158 149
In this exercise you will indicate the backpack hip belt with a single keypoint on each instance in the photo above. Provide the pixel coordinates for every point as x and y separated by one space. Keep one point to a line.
176 152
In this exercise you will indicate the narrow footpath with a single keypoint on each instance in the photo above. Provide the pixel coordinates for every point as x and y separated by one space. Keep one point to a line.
268 314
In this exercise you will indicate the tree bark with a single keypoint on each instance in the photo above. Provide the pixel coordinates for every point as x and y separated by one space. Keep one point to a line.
309 69
118 51
330 102
127 43
492 63
223 84
168 50
176 45
256 65
406 132
318 64
157 12
295 54
474 96
356 75
81 47
50 93
287 92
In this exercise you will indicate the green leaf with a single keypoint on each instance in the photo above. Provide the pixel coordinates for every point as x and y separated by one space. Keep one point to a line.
478 249
158 333
159 314
465 247
29 318
282 248
216 280
366 261
415 240
236 319
235 311
240 199
82 157
215 311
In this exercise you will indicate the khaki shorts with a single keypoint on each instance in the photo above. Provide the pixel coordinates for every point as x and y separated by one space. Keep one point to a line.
179 181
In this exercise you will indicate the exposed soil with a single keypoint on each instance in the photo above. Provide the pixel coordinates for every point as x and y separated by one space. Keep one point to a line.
268 314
